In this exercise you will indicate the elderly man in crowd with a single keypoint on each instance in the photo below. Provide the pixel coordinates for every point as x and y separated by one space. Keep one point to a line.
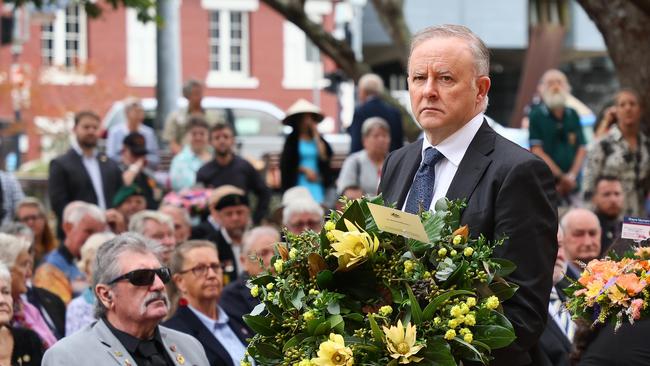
129 283
229 208
556 133
608 200
581 238
301 215
59 273
158 227
198 275
236 299
182 222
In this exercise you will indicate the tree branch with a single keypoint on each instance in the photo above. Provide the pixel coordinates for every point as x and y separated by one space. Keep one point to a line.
391 15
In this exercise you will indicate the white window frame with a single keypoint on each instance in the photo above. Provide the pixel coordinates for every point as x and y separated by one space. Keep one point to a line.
141 69
59 35
299 73
225 77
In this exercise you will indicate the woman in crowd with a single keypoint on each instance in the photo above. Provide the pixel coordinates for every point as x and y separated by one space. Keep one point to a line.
198 275
363 168
306 156
624 152
30 211
185 164
18 346
14 253
81 310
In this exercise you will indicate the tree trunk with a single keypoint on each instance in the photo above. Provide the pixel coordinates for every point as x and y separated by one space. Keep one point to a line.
391 15
626 30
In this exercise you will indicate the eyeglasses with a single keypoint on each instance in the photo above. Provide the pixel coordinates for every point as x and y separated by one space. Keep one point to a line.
145 277
30 218
312 224
202 269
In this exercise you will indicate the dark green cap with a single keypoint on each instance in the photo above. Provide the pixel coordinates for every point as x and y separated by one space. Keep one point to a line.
126 192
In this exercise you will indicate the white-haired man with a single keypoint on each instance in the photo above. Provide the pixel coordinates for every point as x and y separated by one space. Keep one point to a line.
509 191
59 273
129 283
156 226
371 87
556 133
301 215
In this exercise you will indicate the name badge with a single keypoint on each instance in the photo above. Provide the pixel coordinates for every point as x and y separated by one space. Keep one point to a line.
635 228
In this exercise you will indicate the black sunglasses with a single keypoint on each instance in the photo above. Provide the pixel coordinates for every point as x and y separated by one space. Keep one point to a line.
145 277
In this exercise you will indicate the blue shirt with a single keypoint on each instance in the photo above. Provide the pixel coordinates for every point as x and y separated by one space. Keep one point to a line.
182 171
222 332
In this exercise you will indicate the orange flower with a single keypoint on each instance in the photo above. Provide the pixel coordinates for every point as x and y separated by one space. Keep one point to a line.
631 283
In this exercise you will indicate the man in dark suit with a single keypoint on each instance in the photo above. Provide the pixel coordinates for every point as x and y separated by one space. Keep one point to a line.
198 275
371 86
82 173
509 192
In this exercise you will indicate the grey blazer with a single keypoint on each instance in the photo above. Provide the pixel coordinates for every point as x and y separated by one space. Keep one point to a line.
96 345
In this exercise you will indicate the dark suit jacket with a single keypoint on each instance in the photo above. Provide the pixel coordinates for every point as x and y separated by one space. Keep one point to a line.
626 346
185 321
28 348
47 301
554 343
375 107
69 181
509 192
236 300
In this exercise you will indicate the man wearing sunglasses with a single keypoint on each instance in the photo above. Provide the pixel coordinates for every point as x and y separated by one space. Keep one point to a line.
198 275
129 284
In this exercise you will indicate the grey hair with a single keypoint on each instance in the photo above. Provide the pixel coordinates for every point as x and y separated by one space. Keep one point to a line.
252 236
372 84
565 220
301 206
178 256
183 212
189 85
10 247
90 247
18 229
138 221
31 201
5 274
374 122
107 264
561 74
77 210
476 45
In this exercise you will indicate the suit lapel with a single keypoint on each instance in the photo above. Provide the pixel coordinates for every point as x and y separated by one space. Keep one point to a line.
407 170
203 335
114 347
473 165
102 160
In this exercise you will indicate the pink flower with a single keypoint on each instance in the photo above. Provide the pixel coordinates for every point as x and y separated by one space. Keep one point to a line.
635 308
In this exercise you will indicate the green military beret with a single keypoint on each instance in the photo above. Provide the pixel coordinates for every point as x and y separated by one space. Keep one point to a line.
126 192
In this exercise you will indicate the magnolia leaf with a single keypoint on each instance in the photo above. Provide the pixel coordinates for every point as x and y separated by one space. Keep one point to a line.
262 280
258 309
506 267
354 214
268 351
324 279
318 327
260 324
473 354
337 323
438 352
463 231
494 336
457 274
316 264
416 310
370 224
418 247
502 289
430 309
293 342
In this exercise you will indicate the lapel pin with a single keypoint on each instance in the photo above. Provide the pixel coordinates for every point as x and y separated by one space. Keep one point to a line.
172 348
180 359
127 362
26 358
118 354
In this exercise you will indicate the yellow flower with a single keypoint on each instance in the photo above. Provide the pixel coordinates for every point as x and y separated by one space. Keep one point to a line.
330 236
457 239
468 337
470 320
303 362
329 225
437 320
492 302
255 291
450 334
293 253
464 309
453 323
442 252
269 286
400 342
313 292
353 246
385 310
468 251
471 301
244 363
278 265
334 353
455 311
308 316
453 253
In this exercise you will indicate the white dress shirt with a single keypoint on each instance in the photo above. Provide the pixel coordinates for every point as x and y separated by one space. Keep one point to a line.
453 148
92 167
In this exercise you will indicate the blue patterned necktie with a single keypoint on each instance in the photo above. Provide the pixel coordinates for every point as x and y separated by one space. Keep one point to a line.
561 315
422 188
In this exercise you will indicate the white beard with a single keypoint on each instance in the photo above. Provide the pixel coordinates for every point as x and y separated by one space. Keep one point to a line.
554 100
